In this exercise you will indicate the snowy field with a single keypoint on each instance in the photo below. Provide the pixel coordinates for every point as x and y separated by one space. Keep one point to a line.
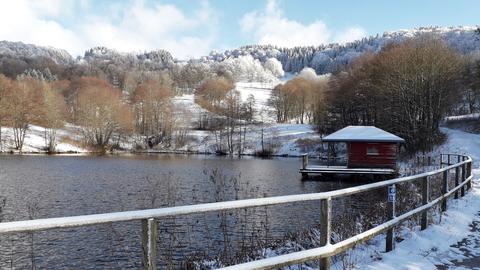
283 139
261 92
68 140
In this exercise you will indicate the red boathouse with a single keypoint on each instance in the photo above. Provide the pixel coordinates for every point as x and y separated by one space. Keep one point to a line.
367 146
369 150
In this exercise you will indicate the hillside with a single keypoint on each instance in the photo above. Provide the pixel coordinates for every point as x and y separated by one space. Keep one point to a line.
327 58
324 59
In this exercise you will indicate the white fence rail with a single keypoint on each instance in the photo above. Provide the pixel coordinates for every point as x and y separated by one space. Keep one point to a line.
463 178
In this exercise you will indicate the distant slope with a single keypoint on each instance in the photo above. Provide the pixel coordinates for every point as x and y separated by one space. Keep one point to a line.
22 50
324 58
327 58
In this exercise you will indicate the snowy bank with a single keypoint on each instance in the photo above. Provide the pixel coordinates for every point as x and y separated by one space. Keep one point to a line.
68 140
433 247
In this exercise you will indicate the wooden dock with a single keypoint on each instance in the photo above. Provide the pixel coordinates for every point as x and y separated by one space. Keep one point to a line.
318 169
307 169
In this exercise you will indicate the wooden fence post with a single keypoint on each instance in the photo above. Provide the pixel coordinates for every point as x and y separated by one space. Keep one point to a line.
469 173
149 244
325 229
391 194
464 177
425 195
457 177
444 190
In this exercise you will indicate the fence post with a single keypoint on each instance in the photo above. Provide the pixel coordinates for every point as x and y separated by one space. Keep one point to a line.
425 195
444 190
457 177
464 177
149 244
325 229
391 214
469 173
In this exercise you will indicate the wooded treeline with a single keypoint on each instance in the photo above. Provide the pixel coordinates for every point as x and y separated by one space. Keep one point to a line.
407 89
103 112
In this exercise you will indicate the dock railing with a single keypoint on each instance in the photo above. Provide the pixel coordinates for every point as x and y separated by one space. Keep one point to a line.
326 161
463 176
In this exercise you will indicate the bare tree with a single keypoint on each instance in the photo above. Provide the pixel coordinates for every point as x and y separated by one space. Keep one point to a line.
153 111
24 108
6 86
212 92
298 99
101 112
53 115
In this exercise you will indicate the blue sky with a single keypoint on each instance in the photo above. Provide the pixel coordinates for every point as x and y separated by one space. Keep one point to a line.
190 28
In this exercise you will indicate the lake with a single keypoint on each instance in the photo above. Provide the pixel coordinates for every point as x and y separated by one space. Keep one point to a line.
55 186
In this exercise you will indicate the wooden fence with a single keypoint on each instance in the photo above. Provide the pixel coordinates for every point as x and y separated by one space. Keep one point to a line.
463 176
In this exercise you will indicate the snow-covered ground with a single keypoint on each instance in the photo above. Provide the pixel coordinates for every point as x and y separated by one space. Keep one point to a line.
261 92
282 139
432 248
68 140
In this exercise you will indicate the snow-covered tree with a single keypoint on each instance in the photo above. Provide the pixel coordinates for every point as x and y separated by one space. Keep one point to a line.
275 67
246 68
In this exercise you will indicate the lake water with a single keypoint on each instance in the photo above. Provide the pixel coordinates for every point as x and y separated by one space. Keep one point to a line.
54 186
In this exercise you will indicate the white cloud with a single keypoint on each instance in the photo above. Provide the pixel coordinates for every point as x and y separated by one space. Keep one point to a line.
29 23
351 34
136 25
270 26
133 26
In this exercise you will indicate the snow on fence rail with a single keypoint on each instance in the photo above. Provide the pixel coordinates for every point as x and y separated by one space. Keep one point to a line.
149 224
472 116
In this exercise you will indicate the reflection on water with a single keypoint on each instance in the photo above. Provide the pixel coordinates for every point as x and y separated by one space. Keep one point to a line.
53 186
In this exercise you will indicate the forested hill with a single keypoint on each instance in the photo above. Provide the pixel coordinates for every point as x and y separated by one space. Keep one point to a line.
327 58
17 58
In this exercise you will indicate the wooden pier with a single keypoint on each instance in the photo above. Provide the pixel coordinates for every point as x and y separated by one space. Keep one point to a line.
338 169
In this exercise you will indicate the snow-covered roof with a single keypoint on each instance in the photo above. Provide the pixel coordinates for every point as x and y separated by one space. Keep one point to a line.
362 134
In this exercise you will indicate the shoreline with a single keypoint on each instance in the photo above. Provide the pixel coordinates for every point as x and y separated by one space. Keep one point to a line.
136 152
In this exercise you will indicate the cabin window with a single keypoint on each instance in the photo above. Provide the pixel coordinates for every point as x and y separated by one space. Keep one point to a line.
372 151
